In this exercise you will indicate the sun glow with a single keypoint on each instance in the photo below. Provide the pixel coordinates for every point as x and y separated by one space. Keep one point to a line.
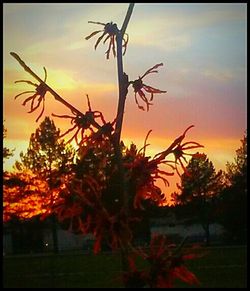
25 195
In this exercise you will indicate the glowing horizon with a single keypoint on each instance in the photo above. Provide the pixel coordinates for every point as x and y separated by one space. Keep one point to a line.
202 47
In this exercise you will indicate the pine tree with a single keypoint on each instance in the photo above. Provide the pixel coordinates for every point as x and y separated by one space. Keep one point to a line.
200 186
233 202
48 157
47 154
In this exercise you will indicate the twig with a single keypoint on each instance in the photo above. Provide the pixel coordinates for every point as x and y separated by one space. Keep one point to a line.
127 18
49 89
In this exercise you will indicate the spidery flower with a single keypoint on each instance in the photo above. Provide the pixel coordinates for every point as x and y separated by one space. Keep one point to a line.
143 172
39 94
82 122
110 31
81 210
103 134
164 267
114 229
178 149
140 87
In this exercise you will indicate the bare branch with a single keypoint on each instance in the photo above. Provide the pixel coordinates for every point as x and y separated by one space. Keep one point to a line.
49 89
127 18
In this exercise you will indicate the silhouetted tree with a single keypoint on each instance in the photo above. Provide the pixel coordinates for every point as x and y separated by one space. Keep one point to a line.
200 186
47 154
233 200
237 170
48 157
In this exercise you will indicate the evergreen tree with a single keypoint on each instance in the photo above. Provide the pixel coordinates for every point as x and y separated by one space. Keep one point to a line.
49 158
237 170
200 186
233 202
47 155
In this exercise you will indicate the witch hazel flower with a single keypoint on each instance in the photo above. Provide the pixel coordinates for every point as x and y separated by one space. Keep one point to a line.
140 88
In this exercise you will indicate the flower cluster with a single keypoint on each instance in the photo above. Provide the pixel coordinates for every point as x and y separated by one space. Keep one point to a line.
82 122
164 266
143 172
80 209
91 202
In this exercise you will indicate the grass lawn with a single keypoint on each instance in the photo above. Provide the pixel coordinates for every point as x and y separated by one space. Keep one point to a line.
221 267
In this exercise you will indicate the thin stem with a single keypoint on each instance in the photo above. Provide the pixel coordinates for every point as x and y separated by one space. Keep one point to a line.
121 76
122 96
123 84
127 18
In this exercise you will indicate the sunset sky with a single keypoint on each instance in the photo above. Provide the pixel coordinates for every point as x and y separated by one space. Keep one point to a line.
202 47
